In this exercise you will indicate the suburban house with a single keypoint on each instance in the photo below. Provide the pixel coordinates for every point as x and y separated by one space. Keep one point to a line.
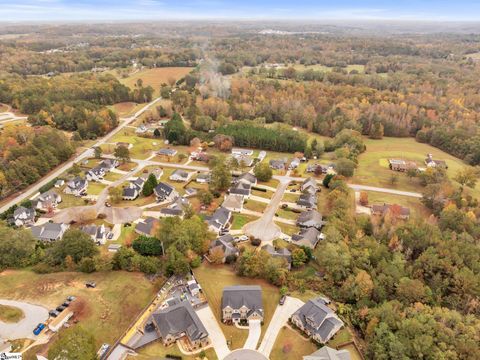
203 178
309 186
132 191
95 174
46 201
167 152
76 187
97 233
430 162
327 353
219 220
317 320
226 244
200 156
233 202
307 201
158 172
180 175
245 160
146 227
241 152
283 253
241 188
109 164
247 178
307 237
401 165
294 164
398 211
142 129
310 218
59 183
23 216
177 208
317 168
242 303
49 232
278 164
180 321
165 192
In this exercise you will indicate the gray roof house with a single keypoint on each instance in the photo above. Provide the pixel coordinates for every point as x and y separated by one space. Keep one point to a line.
109 164
77 186
327 353
178 321
310 218
246 160
226 244
219 220
23 216
247 178
242 302
307 237
132 191
95 174
317 320
233 202
49 199
49 232
307 201
203 178
278 164
177 208
283 253
180 175
241 188
239 151
294 163
164 191
97 233
146 226
167 152
309 186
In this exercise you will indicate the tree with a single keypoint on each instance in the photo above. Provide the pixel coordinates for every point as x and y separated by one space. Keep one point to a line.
87 265
149 185
345 167
98 152
393 179
175 129
376 131
177 263
327 179
363 198
467 177
263 172
73 343
298 257
75 243
221 178
17 248
216 255
206 197
122 153
115 194
148 246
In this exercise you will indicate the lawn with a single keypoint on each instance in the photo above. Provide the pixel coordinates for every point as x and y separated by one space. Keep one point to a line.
272 182
290 345
95 188
213 278
126 108
286 228
156 350
255 206
112 176
239 220
98 310
142 147
417 208
373 164
287 214
69 201
264 194
128 166
127 235
10 314
340 338
289 197
156 77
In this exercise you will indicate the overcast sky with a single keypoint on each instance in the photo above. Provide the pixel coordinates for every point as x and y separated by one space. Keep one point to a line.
44 10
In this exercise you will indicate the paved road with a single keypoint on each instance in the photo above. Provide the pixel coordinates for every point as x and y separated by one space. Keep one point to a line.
87 153
34 314
254 331
214 331
279 319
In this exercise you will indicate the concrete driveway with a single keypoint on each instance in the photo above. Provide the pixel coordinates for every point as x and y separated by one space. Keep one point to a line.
254 331
279 319
214 331
33 315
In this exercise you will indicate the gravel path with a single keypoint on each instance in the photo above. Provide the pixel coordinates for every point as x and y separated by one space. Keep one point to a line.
33 315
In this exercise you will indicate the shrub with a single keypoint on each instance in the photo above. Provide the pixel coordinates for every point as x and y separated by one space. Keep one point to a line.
87 265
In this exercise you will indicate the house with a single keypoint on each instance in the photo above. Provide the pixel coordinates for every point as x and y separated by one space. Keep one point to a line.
97 233
158 172
76 187
132 191
57 323
177 208
167 152
200 156
226 244
49 232
307 201
59 183
203 178
95 174
294 164
242 303
164 192
241 188
278 164
317 169
244 160
283 253
180 175
401 165
241 152
247 178
233 202
147 226
124 144
430 162
261 155
317 320
307 237
46 201
219 220
398 211
23 216
310 218
109 164
114 247
180 321
309 186
142 129
327 353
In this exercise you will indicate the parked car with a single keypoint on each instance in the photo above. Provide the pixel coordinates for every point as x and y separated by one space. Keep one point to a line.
282 300
66 304
110 236
91 284
60 308
38 329
53 313
241 238
71 298
107 204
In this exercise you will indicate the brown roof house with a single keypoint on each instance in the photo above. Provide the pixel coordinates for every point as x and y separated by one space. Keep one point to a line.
398 211
401 165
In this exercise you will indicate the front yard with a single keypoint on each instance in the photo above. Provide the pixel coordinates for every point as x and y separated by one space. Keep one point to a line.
240 219
290 345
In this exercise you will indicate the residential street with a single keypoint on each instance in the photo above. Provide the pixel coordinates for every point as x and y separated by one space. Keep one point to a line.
215 332
33 315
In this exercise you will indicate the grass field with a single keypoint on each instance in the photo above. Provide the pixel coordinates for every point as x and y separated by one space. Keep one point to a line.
142 147
10 314
416 207
240 219
290 345
156 77
373 164
156 350
126 108
264 194
289 197
98 310
287 214
214 278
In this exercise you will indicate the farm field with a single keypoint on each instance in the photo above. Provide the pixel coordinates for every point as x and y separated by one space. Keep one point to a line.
214 278
156 77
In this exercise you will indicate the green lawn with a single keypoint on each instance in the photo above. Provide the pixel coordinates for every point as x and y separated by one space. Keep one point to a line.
286 228
95 188
69 201
127 235
264 194
290 345
142 147
287 214
255 206
156 350
240 219
10 314
289 197
272 182
213 278
340 338
112 176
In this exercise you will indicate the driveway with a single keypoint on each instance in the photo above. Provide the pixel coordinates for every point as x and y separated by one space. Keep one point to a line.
254 330
33 315
279 319
214 331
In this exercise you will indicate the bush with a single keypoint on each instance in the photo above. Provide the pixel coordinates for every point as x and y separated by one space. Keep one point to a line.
147 246
87 265
230 259
255 242
196 262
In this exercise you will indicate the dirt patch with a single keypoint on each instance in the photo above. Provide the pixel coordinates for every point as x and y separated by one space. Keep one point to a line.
81 309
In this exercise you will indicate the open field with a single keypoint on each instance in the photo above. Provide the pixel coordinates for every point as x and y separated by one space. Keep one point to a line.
126 108
264 194
289 197
287 214
98 310
156 350
290 345
373 164
10 314
214 278
142 147
240 219
156 77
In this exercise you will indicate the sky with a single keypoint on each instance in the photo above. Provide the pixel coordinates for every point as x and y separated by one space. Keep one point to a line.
94 10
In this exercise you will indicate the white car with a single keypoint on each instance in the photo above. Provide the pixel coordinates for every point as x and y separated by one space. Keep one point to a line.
241 238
